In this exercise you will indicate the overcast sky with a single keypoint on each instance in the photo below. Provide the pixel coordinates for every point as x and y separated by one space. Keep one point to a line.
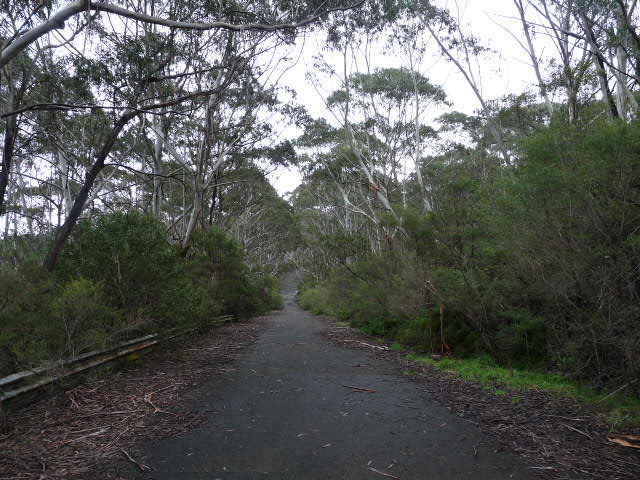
506 72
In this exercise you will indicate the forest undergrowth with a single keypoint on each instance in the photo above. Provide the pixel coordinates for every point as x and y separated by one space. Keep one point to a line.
119 278
530 270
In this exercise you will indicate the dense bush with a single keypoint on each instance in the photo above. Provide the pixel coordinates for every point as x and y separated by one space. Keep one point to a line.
119 277
42 319
536 266
217 264
129 254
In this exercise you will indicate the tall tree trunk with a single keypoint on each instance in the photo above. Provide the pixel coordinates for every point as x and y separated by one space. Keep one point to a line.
632 35
156 204
214 198
79 204
534 57
65 185
598 56
193 218
10 133
417 151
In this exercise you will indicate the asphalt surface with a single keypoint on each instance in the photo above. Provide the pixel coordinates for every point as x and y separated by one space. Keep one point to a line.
286 414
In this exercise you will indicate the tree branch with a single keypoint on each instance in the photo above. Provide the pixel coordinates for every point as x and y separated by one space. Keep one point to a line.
58 19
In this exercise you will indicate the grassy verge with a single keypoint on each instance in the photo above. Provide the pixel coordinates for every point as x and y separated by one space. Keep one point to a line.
622 410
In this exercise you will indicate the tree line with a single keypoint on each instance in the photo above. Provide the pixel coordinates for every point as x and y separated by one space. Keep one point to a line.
137 139
512 231
138 135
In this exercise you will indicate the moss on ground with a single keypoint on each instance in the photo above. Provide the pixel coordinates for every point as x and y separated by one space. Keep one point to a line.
621 409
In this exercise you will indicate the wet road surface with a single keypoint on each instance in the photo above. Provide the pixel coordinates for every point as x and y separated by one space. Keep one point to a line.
286 414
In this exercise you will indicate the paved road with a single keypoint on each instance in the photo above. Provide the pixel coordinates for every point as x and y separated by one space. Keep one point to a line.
285 415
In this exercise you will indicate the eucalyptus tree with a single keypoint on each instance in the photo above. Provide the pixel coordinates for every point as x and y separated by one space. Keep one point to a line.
609 28
139 60
390 103
465 51
593 39
318 209
230 131
378 143
569 65
339 182
250 210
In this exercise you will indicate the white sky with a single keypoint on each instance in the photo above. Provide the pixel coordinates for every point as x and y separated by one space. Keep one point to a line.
509 71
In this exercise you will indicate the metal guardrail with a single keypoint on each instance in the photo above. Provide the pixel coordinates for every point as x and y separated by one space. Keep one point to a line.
20 383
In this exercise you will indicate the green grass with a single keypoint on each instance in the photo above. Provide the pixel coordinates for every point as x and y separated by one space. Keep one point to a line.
397 347
622 410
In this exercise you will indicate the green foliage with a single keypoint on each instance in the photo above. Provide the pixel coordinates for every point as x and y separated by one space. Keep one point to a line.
120 275
536 265
77 310
524 337
129 254
345 246
217 263
315 299
621 409
397 85
24 297
418 332
41 319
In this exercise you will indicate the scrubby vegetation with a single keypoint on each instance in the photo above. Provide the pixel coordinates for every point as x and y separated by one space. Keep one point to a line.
511 229
536 266
121 277
622 410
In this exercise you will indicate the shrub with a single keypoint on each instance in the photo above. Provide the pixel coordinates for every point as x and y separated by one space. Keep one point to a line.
40 320
217 265
25 296
80 319
315 299
120 276
128 254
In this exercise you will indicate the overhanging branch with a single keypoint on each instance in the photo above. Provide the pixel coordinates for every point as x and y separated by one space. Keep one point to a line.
58 19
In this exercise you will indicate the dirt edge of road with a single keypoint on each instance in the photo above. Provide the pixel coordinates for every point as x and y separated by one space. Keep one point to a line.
560 438
92 429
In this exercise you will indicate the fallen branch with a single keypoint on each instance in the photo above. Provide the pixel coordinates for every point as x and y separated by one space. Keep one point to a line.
147 400
358 389
631 441
367 344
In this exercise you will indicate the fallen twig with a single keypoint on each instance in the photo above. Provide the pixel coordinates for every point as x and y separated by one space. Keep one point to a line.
359 389
141 466
99 432
380 472
615 391
147 400
577 431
